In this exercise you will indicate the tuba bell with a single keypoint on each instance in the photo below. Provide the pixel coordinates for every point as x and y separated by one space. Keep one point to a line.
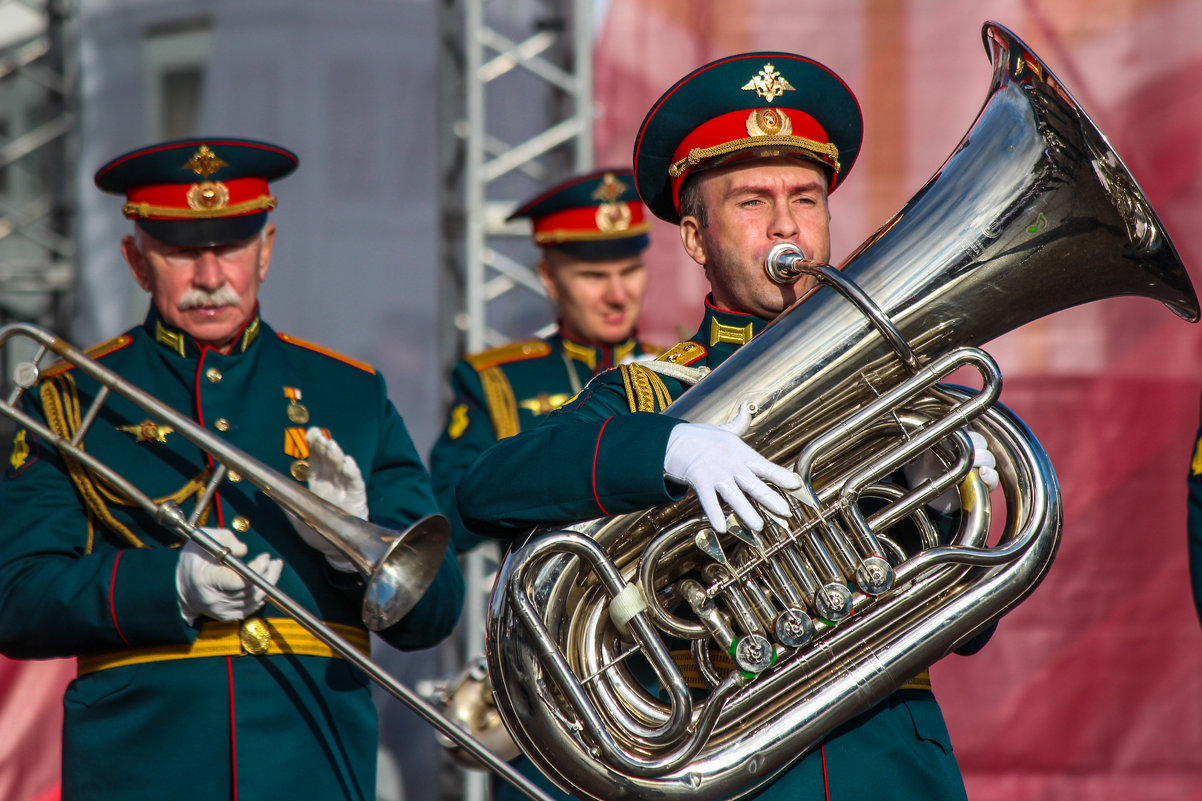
1033 213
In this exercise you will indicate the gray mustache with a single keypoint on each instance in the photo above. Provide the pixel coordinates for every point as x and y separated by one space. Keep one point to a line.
198 298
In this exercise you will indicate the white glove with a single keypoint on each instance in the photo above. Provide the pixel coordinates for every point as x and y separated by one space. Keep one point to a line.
335 477
715 462
206 587
928 465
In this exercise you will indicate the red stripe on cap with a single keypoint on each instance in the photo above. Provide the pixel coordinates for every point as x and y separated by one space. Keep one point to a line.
731 127
175 196
573 224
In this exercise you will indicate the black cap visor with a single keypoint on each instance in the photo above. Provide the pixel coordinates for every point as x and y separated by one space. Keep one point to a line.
604 249
204 233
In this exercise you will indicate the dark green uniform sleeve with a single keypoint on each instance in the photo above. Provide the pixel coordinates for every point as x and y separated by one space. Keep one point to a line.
59 599
592 458
399 494
467 434
1194 522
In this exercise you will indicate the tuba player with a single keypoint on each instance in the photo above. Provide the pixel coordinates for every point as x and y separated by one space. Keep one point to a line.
741 154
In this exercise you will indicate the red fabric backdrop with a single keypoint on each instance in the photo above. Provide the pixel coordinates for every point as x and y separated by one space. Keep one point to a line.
1091 688
31 741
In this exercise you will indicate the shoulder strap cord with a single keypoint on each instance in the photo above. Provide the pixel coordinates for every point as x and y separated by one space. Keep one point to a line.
644 389
60 402
502 406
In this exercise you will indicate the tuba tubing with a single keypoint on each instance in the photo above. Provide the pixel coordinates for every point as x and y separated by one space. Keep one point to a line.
1032 213
399 566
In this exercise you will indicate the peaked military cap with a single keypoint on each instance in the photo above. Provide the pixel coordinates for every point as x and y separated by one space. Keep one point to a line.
751 105
597 216
198 192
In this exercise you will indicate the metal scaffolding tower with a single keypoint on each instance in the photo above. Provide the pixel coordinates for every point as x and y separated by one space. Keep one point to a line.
517 98
38 105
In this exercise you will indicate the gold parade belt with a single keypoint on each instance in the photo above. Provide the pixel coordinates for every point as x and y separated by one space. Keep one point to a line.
256 636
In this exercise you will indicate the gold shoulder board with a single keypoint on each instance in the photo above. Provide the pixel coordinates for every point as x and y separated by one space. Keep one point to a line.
94 352
684 353
313 346
511 352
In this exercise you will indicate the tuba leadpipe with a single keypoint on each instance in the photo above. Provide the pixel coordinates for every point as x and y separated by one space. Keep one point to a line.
1033 213
398 566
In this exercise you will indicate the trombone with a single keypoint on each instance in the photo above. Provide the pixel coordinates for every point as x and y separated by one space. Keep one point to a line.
397 567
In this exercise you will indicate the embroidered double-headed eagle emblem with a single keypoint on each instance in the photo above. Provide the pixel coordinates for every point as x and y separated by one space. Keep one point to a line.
768 83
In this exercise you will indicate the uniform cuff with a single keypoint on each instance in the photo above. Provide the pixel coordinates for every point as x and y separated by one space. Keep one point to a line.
143 600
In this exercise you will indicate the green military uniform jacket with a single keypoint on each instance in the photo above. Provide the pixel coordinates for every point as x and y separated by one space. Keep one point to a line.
499 393
102 582
1194 522
597 456
509 389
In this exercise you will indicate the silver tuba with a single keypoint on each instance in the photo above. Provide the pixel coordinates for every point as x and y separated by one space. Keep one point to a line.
1032 213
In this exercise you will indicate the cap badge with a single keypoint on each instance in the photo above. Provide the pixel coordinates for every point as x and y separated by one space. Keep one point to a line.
768 83
204 162
769 122
208 195
612 215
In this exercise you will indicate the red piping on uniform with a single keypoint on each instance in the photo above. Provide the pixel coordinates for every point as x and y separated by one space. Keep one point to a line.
596 452
200 418
826 782
229 666
709 301
112 603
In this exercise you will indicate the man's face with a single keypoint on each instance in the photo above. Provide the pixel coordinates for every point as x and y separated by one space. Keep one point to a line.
751 207
208 292
599 301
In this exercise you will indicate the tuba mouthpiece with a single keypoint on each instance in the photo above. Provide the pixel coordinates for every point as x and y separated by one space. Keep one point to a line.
784 263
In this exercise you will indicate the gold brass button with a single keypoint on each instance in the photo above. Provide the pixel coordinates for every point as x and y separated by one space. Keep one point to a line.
255 636
213 374
221 424
240 524
232 476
